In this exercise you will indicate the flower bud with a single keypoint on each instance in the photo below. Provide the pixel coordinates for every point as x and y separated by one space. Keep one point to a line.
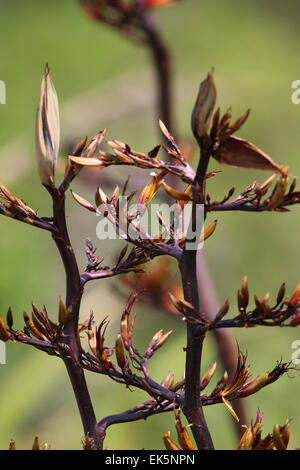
204 106
47 130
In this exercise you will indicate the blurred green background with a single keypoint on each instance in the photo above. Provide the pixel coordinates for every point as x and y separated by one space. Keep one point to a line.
254 49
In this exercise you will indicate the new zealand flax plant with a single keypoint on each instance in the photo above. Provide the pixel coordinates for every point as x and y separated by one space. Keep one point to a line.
177 181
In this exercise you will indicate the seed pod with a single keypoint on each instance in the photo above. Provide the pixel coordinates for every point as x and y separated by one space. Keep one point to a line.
12 445
100 197
266 185
183 436
204 106
241 301
280 295
47 130
230 409
168 380
36 445
223 311
120 353
179 196
278 441
236 125
245 291
63 313
296 296
208 376
9 318
169 444
83 202
246 441
4 336
208 231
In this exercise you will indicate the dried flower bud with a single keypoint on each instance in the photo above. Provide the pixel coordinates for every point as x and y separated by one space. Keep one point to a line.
246 440
36 445
179 196
208 231
12 445
63 312
9 318
223 311
296 295
183 436
208 376
245 291
230 409
100 197
204 106
4 336
83 202
278 441
169 444
47 130
280 295
120 353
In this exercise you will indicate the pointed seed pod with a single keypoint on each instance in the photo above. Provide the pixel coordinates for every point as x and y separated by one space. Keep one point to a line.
208 376
183 436
12 445
169 444
47 130
208 231
9 318
280 295
120 353
204 107
36 445
241 301
245 291
63 313
100 197
223 311
83 202
278 441
179 196
4 336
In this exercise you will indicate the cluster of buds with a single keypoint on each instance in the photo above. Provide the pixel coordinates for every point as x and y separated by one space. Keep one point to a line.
225 148
35 445
123 154
15 208
128 358
40 331
182 435
241 386
126 16
285 312
252 438
252 198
